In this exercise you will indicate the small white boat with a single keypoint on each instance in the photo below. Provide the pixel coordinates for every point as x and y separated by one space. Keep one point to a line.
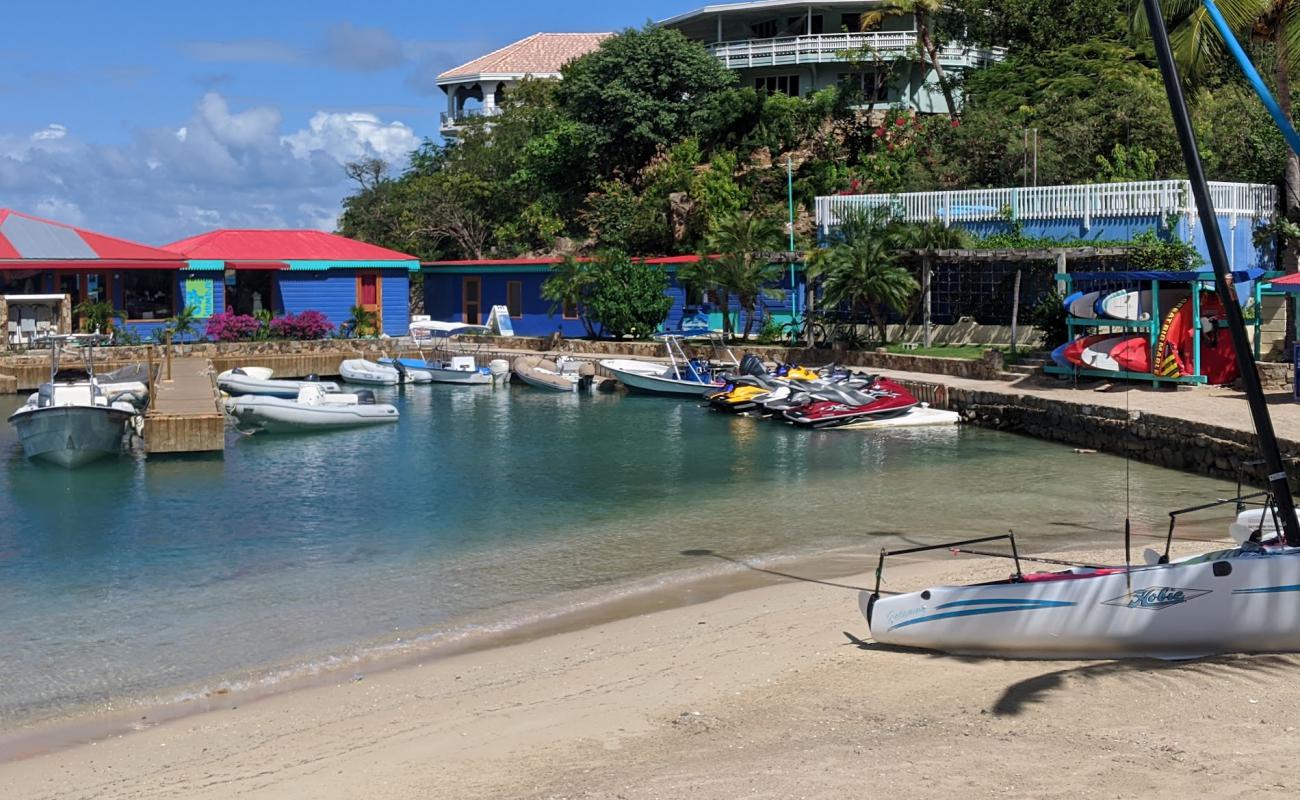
681 376
312 409
454 360
359 370
562 374
457 369
71 423
259 380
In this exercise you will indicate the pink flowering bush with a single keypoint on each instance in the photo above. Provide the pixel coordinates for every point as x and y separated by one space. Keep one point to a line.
227 327
304 326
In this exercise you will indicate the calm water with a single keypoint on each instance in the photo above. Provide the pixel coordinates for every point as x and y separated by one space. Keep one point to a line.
134 580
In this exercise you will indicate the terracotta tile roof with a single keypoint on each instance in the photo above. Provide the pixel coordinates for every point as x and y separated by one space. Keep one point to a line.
539 54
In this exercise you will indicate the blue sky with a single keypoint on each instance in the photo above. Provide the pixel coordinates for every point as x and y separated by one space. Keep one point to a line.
157 120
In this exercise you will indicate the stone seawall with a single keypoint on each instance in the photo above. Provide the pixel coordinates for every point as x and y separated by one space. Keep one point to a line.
1155 439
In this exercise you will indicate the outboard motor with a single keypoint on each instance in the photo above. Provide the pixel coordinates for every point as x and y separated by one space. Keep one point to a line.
401 372
365 397
586 376
752 365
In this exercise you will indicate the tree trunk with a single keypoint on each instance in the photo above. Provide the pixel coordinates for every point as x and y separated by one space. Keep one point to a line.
931 49
811 292
724 303
927 335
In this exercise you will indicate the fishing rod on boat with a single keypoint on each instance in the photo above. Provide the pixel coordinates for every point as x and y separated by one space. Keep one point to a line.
1277 477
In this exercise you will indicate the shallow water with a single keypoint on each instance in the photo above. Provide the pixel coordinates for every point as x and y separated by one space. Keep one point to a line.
140 581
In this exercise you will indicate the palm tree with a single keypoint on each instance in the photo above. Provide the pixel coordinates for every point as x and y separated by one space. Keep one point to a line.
924 12
183 323
741 242
97 317
567 286
864 271
1198 49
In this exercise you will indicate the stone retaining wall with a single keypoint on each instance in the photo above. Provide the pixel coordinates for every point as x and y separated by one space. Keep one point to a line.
1164 441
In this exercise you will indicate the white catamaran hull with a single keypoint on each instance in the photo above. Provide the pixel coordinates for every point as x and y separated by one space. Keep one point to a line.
1233 601
71 436
646 377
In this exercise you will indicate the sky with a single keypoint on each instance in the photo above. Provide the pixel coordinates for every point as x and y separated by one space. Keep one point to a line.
155 121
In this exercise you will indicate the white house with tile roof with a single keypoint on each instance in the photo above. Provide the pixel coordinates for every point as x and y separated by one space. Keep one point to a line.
479 87
801 47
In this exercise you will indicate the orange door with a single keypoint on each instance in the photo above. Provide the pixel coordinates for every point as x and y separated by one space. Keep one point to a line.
370 296
473 295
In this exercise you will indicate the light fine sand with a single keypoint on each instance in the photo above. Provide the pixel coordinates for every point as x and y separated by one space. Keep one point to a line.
756 694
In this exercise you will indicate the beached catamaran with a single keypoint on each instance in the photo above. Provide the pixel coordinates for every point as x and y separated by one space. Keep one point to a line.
1244 599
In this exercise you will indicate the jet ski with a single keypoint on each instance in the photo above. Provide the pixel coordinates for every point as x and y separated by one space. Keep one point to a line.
754 381
834 406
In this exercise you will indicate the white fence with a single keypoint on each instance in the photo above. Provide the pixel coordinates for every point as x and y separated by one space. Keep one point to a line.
1082 202
832 47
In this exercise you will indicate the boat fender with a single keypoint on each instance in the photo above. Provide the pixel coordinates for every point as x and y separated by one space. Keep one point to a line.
365 397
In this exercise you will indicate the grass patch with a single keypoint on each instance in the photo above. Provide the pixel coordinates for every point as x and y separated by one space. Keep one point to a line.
948 351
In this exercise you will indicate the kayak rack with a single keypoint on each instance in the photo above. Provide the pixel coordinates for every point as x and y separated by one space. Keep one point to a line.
1196 281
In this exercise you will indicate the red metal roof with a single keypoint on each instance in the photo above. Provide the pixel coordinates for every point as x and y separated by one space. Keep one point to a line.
532 262
280 245
33 239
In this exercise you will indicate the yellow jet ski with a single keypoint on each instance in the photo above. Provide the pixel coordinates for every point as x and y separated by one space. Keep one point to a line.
741 391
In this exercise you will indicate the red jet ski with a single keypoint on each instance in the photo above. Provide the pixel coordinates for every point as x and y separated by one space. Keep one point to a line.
884 400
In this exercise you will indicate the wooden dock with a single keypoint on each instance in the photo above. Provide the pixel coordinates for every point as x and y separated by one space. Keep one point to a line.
184 411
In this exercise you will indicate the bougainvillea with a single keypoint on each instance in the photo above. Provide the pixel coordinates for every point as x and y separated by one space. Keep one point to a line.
304 326
228 327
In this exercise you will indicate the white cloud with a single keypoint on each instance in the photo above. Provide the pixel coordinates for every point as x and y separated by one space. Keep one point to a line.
350 136
220 167
363 49
50 132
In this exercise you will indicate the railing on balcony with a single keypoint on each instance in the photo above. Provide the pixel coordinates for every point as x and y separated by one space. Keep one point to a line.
452 119
832 47
1082 202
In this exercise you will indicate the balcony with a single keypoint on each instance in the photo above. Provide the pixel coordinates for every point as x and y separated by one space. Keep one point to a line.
829 48
452 120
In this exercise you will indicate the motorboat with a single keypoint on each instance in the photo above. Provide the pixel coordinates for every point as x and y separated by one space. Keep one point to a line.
451 361
681 376
260 380
562 374
1239 599
71 423
360 370
840 406
313 408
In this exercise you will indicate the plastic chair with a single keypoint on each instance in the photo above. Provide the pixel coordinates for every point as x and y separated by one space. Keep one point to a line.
13 339
28 328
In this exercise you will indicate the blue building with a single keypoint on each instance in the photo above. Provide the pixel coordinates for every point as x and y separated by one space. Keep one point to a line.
466 291
291 271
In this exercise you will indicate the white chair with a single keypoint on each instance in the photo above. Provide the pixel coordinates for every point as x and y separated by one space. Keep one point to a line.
28 328
13 339
42 315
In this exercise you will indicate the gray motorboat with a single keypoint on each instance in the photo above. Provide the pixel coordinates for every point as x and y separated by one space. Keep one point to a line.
71 423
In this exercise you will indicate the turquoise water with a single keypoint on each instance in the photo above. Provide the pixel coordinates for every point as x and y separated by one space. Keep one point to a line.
134 581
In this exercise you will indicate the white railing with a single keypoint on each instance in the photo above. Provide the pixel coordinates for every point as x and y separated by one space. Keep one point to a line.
833 47
449 119
1082 202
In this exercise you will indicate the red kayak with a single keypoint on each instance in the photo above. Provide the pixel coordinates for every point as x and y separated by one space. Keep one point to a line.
884 400
1074 353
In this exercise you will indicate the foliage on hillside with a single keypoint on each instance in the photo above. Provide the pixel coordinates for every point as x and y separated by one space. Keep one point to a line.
648 144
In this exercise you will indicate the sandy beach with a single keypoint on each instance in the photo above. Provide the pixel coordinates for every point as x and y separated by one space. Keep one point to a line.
767 692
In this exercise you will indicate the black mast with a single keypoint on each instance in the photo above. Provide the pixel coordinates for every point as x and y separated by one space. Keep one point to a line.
1218 258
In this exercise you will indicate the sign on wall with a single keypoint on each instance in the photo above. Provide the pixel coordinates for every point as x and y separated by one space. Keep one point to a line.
198 295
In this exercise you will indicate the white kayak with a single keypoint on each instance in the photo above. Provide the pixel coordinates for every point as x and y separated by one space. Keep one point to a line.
259 380
312 409
1098 354
359 370
1242 600
1137 305
1084 305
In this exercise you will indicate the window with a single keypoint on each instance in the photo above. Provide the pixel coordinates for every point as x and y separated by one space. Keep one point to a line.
785 84
20 281
873 86
763 30
515 298
798 26
851 22
569 310
148 293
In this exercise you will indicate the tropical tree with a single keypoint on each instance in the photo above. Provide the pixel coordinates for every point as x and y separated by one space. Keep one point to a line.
183 324
924 12
1199 51
862 268
627 297
926 239
97 317
568 285
742 243
362 323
